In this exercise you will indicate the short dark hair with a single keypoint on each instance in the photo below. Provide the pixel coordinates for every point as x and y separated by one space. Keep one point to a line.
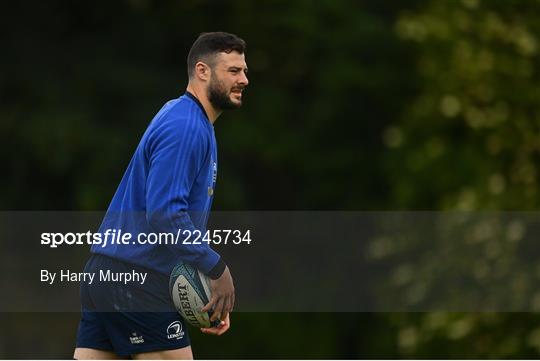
208 45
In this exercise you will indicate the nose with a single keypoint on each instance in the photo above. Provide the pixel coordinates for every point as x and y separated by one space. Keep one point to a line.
243 79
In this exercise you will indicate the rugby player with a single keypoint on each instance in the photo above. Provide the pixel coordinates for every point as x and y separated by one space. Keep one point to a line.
167 186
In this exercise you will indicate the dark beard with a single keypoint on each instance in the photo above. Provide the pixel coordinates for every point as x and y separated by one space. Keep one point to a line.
218 96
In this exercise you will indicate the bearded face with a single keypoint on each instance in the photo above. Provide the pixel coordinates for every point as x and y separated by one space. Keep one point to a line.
228 78
221 95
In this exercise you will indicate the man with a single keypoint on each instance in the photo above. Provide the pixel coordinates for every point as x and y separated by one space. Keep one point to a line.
168 186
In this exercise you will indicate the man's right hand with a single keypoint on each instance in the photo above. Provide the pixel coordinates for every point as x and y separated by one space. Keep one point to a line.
222 301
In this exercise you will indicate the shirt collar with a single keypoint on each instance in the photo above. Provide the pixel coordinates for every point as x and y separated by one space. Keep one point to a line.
189 95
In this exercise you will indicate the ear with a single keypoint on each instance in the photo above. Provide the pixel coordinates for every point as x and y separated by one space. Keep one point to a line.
202 71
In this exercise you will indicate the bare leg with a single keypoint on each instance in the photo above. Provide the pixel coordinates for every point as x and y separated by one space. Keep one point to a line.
183 353
82 353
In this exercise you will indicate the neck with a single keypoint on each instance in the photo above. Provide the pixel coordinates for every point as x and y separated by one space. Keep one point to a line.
200 94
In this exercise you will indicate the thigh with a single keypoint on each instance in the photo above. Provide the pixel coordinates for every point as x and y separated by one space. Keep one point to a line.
83 353
178 354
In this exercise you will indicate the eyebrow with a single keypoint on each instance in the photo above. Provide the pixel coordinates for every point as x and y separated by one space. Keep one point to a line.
238 68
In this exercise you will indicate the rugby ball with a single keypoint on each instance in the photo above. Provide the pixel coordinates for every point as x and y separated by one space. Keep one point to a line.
190 291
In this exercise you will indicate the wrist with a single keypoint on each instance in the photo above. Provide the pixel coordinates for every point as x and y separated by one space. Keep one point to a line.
218 270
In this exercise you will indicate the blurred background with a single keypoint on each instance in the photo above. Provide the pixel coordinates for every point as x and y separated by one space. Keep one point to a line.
372 105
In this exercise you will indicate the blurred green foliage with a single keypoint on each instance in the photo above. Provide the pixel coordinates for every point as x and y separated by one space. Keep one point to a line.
470 141
475 123
377 105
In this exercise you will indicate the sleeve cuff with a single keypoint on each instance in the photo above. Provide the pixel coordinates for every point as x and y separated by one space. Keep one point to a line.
217 270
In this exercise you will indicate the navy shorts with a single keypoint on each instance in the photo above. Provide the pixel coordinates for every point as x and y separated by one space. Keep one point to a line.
128 317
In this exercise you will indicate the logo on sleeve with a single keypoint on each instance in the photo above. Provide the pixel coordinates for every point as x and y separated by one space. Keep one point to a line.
174 331
214 172
214 178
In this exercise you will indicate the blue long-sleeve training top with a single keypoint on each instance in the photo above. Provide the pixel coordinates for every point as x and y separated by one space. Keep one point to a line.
167 186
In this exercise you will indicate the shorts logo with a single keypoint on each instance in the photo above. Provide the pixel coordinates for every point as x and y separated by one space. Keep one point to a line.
134 339
174 331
